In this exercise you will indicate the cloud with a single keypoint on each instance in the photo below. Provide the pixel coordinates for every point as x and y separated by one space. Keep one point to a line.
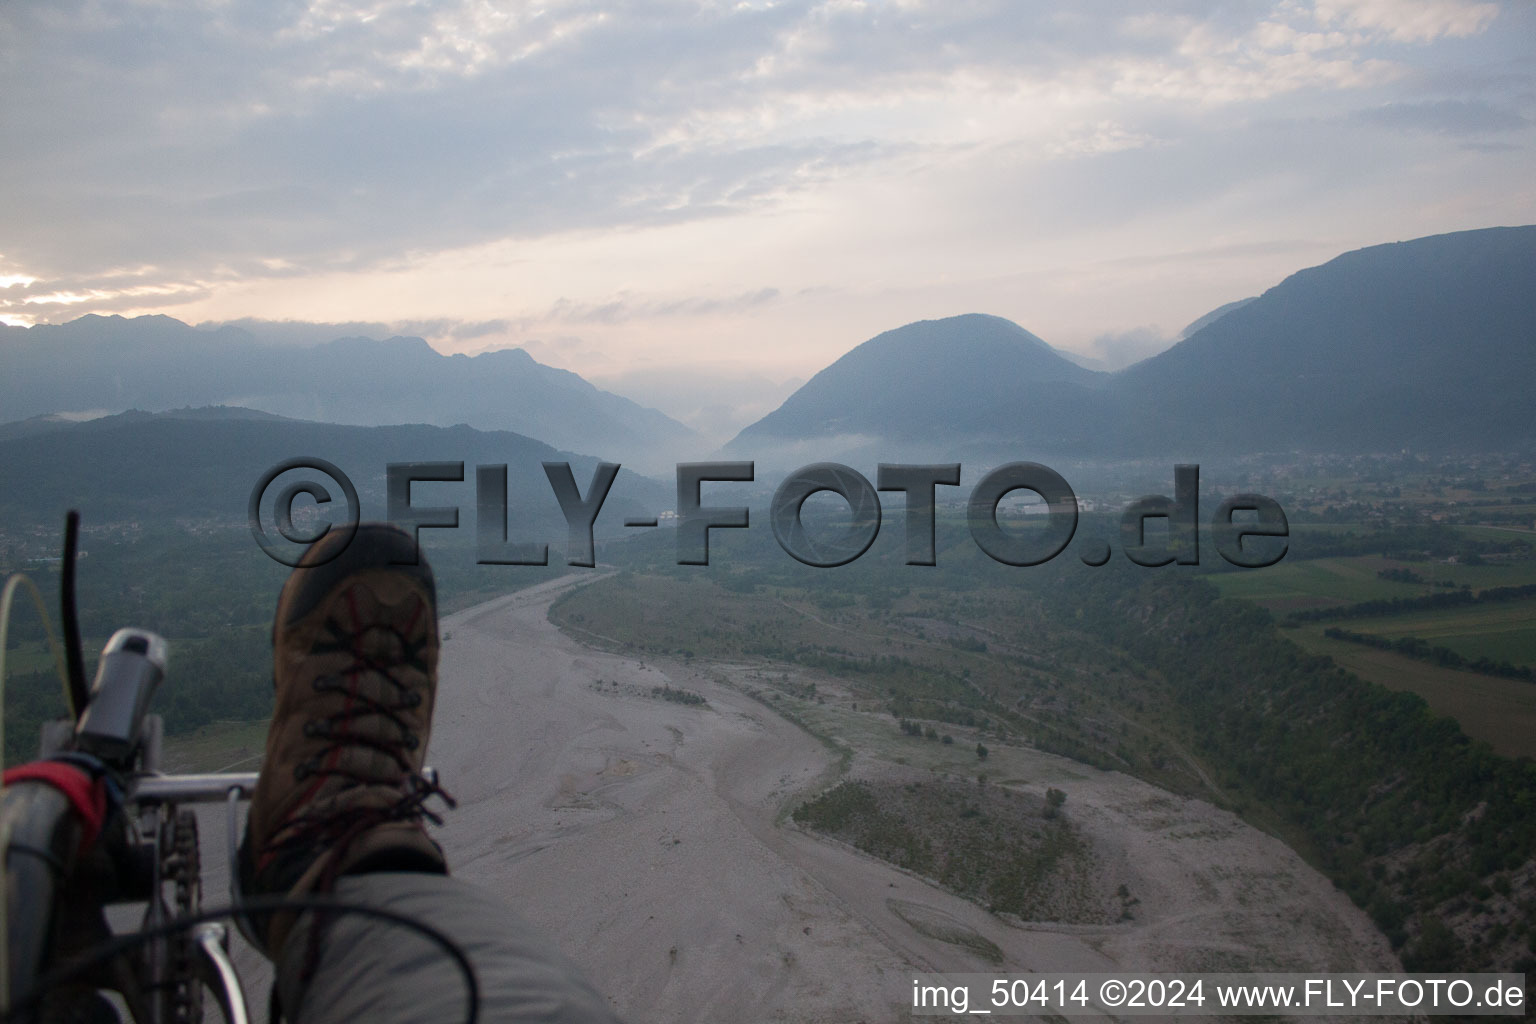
1446 117
626 307
1409 21
31 299
716 403
1118 349
304 333
191 150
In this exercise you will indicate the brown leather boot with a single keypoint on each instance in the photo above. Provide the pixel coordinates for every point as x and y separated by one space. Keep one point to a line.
354 649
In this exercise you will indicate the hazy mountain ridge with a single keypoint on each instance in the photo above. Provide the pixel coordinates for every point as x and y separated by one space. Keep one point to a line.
49 422
1429 344
202 464
1202 322
965 377
158 363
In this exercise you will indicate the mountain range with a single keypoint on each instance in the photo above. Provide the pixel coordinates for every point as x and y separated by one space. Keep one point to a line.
158 363
1426 344
194 465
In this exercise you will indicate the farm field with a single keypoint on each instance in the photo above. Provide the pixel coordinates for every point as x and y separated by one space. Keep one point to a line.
1498 532
1299 584
1503 632
1501 712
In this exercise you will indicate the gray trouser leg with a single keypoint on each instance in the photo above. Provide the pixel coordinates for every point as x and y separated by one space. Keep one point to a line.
376 971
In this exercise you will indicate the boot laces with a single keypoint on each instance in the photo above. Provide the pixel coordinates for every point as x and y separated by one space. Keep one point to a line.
338 827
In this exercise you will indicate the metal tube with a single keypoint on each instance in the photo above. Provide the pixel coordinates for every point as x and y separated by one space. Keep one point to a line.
219 974
236 892
209 787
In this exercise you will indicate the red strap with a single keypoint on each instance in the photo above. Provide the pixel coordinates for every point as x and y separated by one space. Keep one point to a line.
86 795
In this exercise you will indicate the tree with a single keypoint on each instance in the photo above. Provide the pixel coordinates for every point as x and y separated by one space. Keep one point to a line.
981 751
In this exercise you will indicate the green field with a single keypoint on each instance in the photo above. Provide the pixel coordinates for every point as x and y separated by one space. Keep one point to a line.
23 658
1501 712
1296 585
1504 632
220 747
1499 532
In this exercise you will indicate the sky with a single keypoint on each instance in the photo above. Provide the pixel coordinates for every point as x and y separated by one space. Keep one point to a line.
700 204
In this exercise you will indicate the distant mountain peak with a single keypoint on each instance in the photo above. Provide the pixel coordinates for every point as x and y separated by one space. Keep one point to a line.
938 343
1429 343
924 382
160 363
515 354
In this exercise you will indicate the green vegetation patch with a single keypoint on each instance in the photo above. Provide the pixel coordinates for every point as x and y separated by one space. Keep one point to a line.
1008 850
1415 823
1500 632
1500 712
1302 584
938 925
678 695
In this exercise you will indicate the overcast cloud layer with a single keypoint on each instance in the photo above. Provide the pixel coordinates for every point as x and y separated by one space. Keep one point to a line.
752 187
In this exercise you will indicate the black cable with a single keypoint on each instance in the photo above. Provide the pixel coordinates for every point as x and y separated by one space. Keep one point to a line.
262 905
79 693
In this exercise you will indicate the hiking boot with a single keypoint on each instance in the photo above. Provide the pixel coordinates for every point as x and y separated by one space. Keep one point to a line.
354 652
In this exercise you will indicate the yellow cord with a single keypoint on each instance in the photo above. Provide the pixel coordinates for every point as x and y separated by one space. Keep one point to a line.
7 596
